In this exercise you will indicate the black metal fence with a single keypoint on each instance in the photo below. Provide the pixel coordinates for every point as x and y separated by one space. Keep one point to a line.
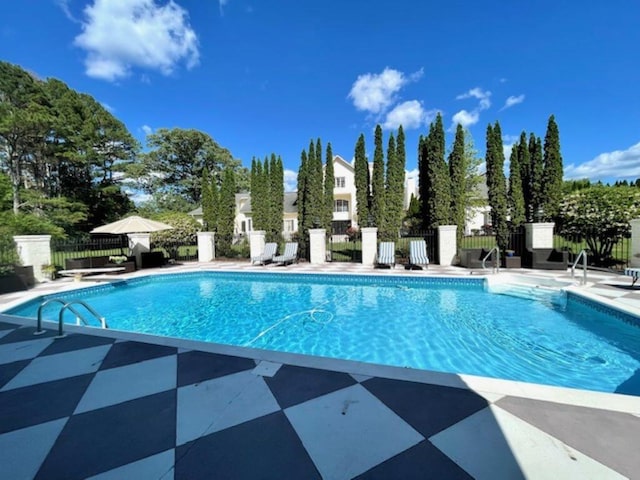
70 248
177 251
517 241
345 248
602 251
430 236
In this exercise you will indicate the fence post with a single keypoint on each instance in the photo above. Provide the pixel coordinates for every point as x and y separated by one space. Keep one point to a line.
206 246
539 235
634 260
317 246
256 243
139 243
34 250
447 244
369 245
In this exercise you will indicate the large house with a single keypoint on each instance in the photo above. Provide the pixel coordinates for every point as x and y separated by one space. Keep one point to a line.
344 205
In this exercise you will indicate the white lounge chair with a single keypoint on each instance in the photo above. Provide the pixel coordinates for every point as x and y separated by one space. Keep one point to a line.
386 254
267 255
634 273
290 254
418 253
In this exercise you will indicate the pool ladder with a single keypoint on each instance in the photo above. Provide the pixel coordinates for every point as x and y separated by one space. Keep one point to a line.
71 306
496 262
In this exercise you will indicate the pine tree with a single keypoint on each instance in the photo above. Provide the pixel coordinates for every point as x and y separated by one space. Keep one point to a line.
315 186
553 171
258 195
377 183
361 173
396 162
227 212
515 197
496 185
457 174
329 182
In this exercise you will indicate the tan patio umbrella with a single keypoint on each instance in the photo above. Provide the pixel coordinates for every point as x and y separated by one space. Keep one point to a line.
133 224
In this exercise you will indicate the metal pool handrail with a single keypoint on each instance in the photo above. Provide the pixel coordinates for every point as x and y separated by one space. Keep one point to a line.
583 255
69 306
497 262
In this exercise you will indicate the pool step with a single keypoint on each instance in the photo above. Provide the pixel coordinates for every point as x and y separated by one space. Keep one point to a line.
544 294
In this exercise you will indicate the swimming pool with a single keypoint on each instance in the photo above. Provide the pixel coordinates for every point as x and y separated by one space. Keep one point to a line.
441 324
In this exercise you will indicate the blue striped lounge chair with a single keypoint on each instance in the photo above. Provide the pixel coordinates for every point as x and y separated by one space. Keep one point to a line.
634 273
418 253
386 254
267 255
290 254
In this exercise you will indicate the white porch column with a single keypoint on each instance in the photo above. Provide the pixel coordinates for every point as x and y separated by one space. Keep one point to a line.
34 250
369 245
539 235
256 243
634 261
317 246
206 246
447 244
139 243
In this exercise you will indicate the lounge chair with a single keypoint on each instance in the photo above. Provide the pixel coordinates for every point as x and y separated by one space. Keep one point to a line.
267 255
472 258
418 253
290 254
548 258
634 273
386 254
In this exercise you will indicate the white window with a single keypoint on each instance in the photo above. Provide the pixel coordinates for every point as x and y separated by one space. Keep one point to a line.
340 182
341 206
288 225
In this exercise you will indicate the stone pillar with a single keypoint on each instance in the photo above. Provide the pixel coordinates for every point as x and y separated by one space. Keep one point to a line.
206 246
447 247
317 246
634 261
34 250
369 245
256 243
539 235
139 243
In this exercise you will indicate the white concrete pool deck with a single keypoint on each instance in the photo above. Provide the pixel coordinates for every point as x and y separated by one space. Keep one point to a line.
321 418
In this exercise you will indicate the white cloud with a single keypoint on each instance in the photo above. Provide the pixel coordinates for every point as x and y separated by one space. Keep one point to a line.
375 93
64 6
483 95
513 100
465 118
410 114
147 129
119 35
619 164
290 181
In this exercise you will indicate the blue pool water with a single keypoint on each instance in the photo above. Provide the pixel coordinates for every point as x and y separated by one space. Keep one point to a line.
447 325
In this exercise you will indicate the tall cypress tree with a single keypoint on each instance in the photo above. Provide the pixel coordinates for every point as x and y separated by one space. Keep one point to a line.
258 196
436 201
395 189
329 183
227 212
536 172
458 176
301 200
515 198
276 197
208 201
377 182
524 159
315 186
553 170
361 173
496 185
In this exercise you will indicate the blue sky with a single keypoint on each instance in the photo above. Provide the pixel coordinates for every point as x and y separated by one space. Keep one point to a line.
263 76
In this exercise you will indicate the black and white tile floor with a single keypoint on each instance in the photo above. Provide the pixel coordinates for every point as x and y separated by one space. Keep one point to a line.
104 405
